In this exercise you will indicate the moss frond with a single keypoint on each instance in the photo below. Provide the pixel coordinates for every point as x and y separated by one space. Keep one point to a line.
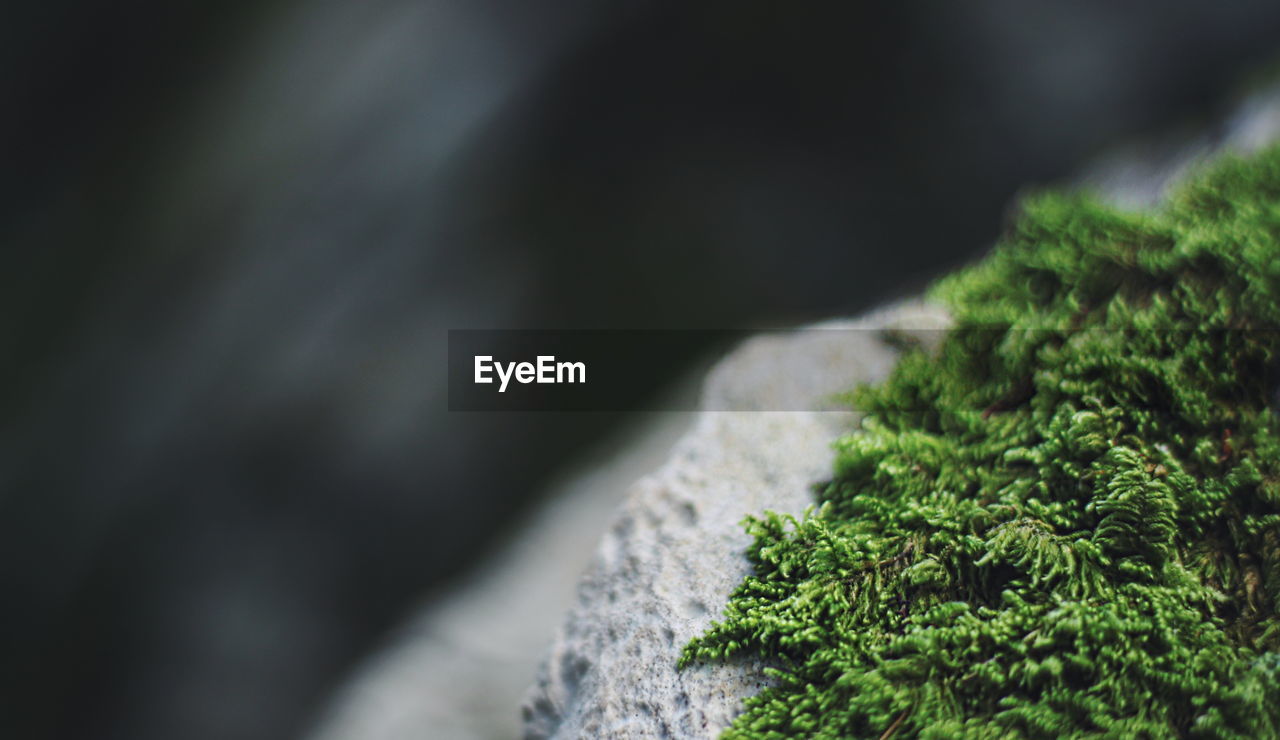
1066 522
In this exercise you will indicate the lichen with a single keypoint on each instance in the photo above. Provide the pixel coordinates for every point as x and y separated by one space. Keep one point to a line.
1065 522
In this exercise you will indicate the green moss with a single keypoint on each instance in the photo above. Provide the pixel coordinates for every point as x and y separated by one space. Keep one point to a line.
1066 522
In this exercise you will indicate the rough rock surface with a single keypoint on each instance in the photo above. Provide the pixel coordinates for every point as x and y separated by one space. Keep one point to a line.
458 669
665 568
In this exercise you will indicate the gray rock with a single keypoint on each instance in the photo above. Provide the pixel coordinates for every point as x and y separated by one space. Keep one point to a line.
459 668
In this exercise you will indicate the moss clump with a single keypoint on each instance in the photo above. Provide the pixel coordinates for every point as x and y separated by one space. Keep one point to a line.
1066 522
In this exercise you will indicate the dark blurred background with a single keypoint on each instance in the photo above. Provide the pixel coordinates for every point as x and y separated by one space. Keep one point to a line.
236 234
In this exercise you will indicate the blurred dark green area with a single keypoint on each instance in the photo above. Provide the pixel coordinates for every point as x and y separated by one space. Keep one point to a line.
237 234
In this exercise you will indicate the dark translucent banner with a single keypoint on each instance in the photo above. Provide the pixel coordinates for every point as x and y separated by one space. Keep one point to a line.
788 370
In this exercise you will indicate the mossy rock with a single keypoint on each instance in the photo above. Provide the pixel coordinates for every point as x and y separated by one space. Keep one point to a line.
1065 521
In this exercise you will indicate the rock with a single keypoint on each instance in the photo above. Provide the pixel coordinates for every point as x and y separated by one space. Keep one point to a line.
461 665
675 551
